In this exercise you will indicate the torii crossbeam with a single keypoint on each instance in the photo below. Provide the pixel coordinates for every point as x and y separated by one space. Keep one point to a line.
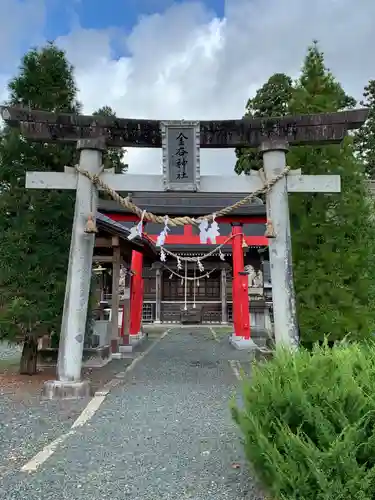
123 132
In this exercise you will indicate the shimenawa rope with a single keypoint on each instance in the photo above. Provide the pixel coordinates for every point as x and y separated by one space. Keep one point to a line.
179 221
209 254
182 221
190 278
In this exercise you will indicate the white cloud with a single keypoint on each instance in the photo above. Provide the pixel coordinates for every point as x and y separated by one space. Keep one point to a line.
184 63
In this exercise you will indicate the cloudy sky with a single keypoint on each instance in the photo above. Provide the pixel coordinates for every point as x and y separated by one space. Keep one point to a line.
170 59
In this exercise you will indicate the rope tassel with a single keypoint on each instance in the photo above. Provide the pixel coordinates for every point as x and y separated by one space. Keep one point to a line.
91 225
270 231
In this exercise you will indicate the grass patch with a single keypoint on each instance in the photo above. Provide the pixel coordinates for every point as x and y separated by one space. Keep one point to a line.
222 331
9 363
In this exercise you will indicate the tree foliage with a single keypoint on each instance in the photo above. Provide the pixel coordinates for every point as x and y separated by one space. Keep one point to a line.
45 81
113 157
35 225
270 100
365 137
317 90
333 235
307 420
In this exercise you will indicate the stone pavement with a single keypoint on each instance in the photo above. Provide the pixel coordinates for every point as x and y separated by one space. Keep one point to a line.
164 433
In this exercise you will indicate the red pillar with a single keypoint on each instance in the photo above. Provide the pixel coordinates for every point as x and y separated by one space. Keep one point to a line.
241 314
136 293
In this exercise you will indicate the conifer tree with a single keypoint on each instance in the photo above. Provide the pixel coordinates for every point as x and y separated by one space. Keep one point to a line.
270 100
365 136
35 226
333 235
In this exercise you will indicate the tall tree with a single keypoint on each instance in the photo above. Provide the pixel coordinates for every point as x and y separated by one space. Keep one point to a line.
270 100
365 137
317 90
333 235
35 226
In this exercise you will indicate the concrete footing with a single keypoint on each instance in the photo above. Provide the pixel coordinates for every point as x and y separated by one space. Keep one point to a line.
125 350
56 389
134 341
242 344
123 355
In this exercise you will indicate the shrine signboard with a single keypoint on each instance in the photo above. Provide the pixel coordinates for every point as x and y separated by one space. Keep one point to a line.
181 155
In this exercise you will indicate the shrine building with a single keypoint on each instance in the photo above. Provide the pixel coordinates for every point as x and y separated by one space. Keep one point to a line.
167 296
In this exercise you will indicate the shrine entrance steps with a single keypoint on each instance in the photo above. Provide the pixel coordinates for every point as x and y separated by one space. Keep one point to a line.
164 432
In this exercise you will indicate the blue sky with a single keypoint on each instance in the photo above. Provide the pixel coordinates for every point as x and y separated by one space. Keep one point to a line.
62 15
29 23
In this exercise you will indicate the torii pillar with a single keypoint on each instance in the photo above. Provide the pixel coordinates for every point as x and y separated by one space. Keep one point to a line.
240 295
136 297
280 245
69 383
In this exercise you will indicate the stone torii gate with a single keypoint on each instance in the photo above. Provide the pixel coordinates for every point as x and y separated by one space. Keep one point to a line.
182 173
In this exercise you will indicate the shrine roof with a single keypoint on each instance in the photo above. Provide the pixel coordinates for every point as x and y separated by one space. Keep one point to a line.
144 245
175 203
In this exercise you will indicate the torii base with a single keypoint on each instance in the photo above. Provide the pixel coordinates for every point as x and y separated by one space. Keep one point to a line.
134 341
242 344
56 389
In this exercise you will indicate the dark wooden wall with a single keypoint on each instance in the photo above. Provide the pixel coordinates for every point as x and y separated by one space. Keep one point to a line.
172 312
207 294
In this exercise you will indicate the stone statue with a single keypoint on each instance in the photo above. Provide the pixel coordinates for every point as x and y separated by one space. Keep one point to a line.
255 281
258 280
251 275
122 281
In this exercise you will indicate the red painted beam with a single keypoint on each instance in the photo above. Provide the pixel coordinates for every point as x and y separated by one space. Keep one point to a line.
179 239
189 238
257 219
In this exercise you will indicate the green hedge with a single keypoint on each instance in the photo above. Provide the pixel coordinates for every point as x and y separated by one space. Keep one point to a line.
308 422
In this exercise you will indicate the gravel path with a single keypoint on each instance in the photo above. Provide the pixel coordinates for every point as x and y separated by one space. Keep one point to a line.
28 423
165 433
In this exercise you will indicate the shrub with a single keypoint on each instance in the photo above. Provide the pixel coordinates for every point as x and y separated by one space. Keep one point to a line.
308 423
